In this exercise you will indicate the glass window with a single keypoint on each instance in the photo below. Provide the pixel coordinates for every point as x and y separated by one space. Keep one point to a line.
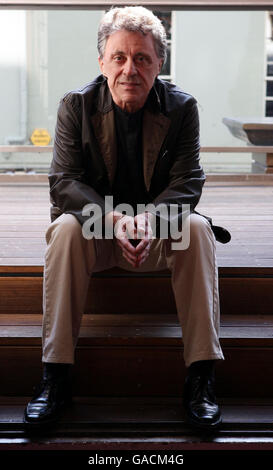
166 69
166 19
269 108
269 70
269 88
219 57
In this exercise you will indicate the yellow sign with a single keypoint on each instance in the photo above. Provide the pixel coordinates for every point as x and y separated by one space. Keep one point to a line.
40 137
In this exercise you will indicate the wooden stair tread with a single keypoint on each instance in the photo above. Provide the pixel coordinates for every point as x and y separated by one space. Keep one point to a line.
149 423
161 326
145 346
139 410
242 293
134 424
37 269
136 320
139 359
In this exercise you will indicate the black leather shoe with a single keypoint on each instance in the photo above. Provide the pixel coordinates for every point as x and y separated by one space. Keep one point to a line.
50 398
199 400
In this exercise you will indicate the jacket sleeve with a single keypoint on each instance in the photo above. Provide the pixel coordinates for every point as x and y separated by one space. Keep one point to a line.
69 192
186 176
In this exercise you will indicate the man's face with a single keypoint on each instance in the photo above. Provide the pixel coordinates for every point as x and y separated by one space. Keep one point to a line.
131 65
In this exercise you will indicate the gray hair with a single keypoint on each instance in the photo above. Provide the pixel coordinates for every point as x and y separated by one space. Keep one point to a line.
135 19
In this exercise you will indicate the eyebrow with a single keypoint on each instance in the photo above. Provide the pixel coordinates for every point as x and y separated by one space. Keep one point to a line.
123 53
117 53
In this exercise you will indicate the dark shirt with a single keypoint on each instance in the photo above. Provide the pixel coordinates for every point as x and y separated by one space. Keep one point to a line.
129 186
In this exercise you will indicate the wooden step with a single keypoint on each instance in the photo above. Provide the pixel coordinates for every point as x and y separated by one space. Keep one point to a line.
118 423
242 290
139 355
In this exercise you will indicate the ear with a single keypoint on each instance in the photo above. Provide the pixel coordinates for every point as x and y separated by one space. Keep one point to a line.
101 64
160 66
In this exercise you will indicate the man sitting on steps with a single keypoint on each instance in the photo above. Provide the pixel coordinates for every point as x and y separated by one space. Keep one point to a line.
135 138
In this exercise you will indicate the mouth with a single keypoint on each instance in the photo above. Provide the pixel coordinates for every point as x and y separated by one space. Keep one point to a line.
129 84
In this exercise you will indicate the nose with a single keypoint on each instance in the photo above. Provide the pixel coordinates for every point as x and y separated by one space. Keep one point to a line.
130 67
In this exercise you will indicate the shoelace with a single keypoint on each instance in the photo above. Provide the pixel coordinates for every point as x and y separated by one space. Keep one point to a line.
45 388
201 389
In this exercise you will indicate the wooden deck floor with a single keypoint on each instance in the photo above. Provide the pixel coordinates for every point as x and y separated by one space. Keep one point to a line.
244 209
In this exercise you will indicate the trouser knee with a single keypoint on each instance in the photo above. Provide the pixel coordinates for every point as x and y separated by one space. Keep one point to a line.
65 229
199 227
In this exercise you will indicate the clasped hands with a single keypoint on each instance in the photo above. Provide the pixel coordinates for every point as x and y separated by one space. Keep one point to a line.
138 228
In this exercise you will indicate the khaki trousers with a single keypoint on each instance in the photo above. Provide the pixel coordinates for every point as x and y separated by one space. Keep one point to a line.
70 260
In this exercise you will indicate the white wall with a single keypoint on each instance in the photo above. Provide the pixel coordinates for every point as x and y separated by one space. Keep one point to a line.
12 62
220 59
61 51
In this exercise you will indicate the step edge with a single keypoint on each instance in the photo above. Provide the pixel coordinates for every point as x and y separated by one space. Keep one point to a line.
224 271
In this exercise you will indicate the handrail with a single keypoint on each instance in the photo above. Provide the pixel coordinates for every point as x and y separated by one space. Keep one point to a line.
170 4
214 149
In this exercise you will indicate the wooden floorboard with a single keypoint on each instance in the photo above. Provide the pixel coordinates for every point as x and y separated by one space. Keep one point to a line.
246 210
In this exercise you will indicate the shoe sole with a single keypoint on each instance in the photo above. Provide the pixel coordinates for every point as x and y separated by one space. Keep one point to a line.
204 426
45 425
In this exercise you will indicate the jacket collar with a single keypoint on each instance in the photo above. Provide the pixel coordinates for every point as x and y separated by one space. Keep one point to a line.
155 128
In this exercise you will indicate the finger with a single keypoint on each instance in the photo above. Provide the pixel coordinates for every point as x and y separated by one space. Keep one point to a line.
141 259
143 245
125 244
144 229
129 259
140 225
125 227
132 257
143 256
127 249
129 227
136 260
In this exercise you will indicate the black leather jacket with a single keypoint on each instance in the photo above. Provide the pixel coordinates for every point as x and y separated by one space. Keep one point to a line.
85 153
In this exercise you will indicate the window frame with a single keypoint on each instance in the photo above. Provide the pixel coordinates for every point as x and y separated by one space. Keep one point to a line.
153 4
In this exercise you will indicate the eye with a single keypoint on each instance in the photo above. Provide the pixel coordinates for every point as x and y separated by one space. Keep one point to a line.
140 59
118 58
